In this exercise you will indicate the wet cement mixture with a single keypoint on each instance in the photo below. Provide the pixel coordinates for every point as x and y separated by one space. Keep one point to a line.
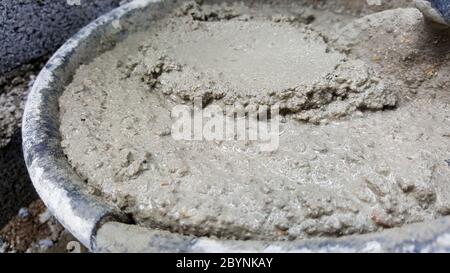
364 133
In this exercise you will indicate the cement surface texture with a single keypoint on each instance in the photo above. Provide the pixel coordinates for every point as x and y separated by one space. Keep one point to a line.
364 121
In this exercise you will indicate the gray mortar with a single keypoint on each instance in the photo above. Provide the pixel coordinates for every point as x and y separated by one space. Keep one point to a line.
61 189
330 179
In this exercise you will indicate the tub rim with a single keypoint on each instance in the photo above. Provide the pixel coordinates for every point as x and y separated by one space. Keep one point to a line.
92 221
